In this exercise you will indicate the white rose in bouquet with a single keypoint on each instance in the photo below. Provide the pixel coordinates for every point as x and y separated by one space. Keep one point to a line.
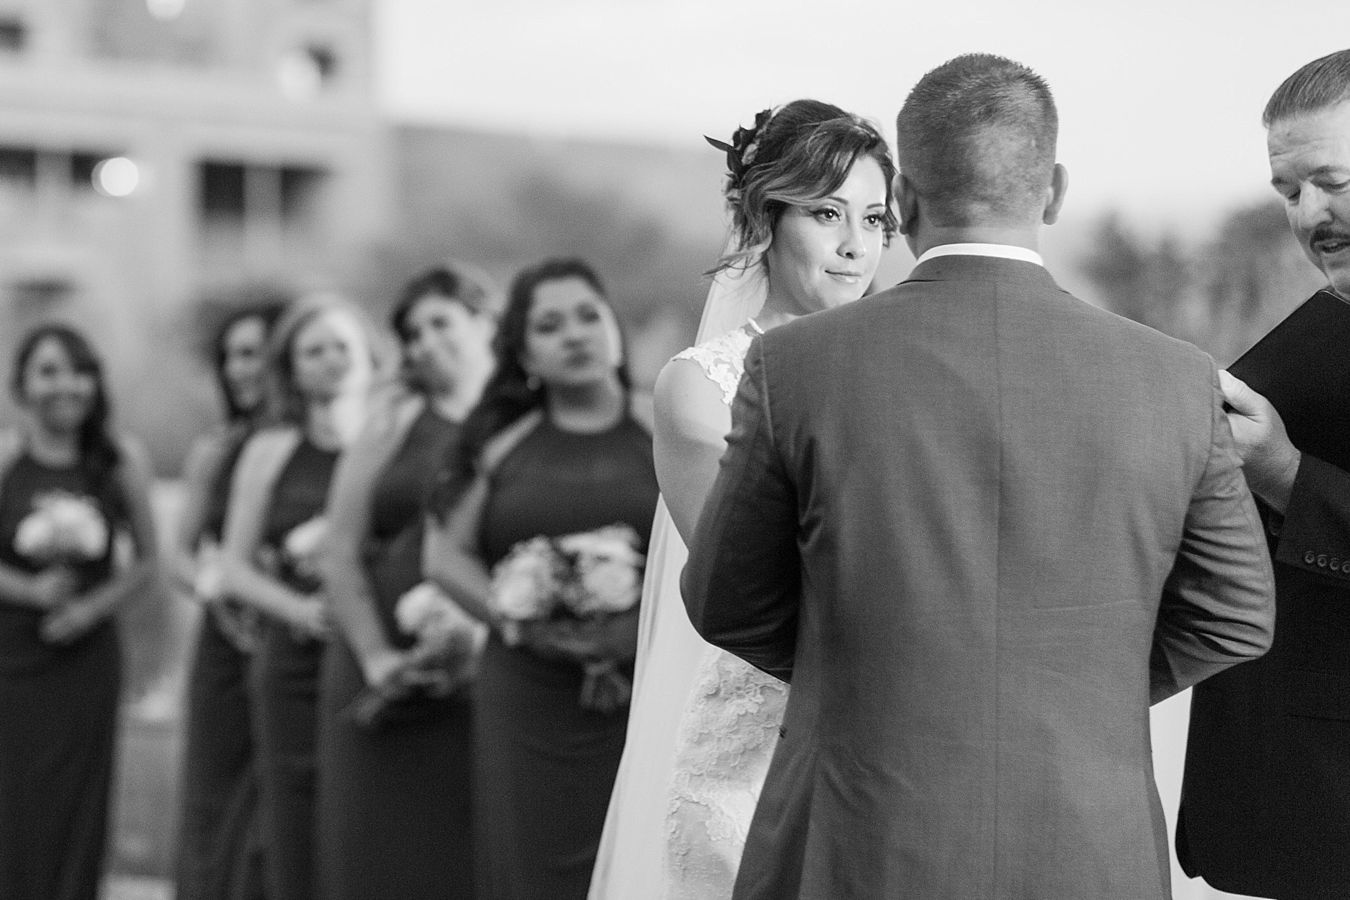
425 611
82 526
607 586
437 621
35 535
304 543
525 581
607 570
610 542
524 585
208 578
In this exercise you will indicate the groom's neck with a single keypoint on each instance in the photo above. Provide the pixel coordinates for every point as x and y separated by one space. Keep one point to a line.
1011 235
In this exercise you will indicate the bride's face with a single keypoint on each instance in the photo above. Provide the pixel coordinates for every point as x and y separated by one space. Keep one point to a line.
825 253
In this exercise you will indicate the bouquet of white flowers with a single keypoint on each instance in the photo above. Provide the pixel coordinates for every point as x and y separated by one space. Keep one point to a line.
208 575
525 586
241 625
63 528
295 561
449 643
603 570
426 613
590 573
584 576
303 545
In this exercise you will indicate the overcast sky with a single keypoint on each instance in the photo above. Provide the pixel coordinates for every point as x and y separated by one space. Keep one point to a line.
1159 100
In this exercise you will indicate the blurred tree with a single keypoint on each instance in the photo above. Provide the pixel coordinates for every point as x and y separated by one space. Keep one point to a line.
1221 294
1255 276
1141 279
643 265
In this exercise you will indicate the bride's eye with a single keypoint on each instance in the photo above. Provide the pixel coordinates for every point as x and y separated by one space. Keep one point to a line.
826 214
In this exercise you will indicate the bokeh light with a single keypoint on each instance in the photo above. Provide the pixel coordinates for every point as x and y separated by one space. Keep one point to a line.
165 10
116 177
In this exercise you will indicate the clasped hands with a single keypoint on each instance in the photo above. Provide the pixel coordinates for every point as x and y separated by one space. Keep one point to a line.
67 614
436 668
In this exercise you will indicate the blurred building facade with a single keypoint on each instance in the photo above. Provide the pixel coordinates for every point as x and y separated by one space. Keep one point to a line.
153 152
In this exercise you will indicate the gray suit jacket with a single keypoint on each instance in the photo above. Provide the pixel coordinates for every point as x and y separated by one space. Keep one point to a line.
978 524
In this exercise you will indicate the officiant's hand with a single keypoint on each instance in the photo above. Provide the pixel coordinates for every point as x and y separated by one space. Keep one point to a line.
1269 460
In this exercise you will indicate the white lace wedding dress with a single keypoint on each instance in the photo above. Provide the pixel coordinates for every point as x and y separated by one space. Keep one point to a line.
729 727
687 786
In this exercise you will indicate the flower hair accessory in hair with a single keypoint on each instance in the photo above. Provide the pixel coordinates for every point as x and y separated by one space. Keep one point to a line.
742 150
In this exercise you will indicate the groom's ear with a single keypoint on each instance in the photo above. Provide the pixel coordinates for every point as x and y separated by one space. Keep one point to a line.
1055 193
906 202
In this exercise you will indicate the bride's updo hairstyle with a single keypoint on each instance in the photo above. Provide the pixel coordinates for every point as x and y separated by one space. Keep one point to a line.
793 156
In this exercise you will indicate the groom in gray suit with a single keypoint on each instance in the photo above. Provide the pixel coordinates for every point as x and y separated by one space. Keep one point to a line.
979 525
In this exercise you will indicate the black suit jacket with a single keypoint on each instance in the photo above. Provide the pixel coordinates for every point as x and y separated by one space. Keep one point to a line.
1265 799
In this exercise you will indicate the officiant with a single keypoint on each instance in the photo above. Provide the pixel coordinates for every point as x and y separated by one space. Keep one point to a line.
1265 803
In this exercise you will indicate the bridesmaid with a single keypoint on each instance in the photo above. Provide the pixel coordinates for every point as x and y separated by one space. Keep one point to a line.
219 855
394 805
68 487
321 364
553 448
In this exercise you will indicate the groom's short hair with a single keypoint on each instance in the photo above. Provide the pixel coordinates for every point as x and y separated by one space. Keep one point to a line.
976 138
1316 86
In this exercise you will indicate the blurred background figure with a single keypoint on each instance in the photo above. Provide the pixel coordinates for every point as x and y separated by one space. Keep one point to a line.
394 737
69 487
321 365
218 846
552 450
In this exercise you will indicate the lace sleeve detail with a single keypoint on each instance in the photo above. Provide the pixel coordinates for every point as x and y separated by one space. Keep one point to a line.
726 740
722 359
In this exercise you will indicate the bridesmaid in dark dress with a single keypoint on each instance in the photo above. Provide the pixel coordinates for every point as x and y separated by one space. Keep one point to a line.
552 449
321 365
219 850
67 489
394 805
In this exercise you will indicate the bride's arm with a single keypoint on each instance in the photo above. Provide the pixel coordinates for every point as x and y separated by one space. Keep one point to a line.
692 423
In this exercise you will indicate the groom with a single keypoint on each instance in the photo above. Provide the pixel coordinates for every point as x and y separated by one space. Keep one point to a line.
979 525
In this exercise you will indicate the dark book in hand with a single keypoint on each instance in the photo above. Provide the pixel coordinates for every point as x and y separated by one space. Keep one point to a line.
1303 368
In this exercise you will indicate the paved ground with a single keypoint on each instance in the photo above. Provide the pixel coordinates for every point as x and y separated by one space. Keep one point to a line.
127 887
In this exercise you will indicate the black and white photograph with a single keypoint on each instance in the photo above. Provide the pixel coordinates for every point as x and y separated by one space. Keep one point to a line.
653 450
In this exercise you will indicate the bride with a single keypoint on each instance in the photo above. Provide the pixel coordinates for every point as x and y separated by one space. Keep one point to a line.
809 190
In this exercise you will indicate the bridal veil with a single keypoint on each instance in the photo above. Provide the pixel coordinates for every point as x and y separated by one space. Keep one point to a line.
631 858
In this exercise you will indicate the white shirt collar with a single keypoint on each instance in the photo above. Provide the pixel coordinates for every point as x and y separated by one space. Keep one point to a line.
1004 251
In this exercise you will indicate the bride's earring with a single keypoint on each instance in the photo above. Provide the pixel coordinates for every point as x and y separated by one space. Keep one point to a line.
532 382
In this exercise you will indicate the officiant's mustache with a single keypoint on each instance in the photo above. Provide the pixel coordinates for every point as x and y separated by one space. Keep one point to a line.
1327 233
